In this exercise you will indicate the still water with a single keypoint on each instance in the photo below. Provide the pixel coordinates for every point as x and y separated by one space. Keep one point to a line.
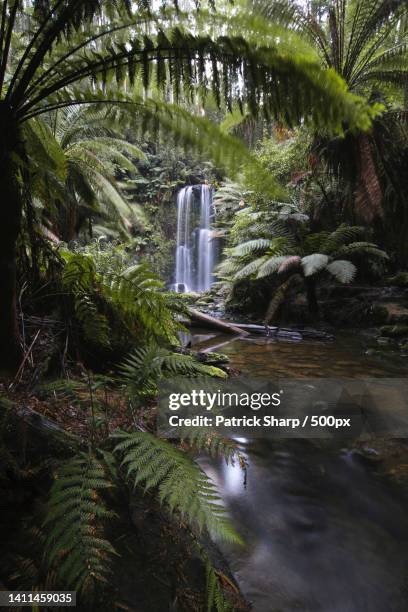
325 529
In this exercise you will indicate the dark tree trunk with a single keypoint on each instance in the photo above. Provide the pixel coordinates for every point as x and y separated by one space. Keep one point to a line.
311 296
11 150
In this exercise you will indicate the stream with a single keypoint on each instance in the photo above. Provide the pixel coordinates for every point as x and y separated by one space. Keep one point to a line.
325 531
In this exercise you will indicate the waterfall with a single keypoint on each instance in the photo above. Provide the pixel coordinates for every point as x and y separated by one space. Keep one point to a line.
194 254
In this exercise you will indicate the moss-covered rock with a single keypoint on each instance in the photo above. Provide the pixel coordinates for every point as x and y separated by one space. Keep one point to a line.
394 331
379 314
399 280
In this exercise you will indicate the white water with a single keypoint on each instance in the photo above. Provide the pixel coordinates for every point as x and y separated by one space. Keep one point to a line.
194 254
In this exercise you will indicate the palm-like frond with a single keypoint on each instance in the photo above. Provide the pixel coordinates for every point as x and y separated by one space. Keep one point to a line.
341 236
250 268
135 297
271 265
312 264
76 546
344 271
251 246
182 486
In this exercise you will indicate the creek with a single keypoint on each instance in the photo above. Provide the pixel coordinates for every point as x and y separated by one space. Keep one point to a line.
326 530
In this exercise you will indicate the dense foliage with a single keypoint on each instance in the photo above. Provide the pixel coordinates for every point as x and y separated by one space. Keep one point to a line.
295 115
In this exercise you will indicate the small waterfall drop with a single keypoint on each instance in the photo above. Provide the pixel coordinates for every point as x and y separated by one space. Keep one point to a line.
194 254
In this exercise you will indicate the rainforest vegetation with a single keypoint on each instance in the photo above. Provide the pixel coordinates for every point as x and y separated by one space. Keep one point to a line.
295 116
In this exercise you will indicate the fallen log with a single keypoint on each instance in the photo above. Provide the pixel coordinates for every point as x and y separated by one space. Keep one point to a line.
296 333
207 320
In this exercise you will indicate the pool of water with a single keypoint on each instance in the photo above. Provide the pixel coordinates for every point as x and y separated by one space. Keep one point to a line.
325 530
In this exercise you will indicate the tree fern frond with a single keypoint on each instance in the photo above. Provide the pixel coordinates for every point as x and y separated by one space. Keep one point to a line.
343 271
362 248
249 269
251 246
215 595
312 264
271 265
180 482
290 263
341 236
76 547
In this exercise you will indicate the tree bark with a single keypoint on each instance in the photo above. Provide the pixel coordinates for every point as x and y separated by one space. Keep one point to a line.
11 150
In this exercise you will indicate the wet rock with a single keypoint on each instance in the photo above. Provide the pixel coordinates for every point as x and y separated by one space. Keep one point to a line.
394 331
384 340
395 312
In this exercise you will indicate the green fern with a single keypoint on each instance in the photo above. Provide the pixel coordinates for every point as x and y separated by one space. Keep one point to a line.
249 247
144 367
133 295
76 547
180 483
344 271
342 235
314 263
215 594
249 269
78 280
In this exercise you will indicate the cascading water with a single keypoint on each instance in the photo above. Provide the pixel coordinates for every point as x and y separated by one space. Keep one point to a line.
194 254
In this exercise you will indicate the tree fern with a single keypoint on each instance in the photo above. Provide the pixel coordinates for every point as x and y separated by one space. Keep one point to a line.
344 271
144 367
362 248
215 594
205 439
249 269
251 246
180 483
78 280
76 545
271 265
342 235
312 264
134 295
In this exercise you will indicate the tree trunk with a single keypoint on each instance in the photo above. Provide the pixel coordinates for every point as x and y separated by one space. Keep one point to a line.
311 296
11 150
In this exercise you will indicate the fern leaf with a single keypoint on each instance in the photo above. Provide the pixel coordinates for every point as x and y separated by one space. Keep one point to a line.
290 263
76 547
312 264
180 482
271 265
343 270
251 268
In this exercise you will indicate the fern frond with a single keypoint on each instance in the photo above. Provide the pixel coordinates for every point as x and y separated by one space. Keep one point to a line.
290 263
76 547
361 248
180 483
251 246
249 269
215 595
342 270
271 265
146 366
312 264
341 236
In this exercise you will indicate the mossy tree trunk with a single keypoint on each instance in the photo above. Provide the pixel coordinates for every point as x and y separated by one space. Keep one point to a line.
11 153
